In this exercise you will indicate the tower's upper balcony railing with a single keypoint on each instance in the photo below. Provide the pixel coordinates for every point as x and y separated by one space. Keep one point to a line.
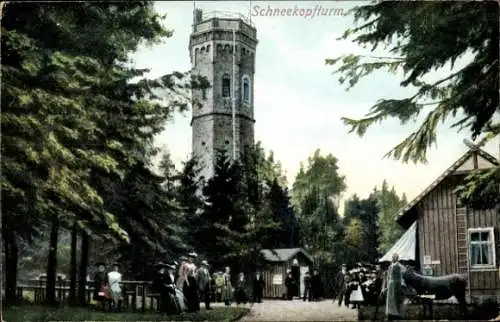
227 15
205 21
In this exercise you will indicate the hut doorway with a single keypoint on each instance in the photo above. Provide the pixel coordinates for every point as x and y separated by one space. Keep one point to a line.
303 270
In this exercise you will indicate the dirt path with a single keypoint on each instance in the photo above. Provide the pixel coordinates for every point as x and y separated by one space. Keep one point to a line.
297 310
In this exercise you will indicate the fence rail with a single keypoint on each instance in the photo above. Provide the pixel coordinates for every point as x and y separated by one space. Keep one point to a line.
137 295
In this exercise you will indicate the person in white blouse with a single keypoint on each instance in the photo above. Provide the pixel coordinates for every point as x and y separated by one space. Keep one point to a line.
115 279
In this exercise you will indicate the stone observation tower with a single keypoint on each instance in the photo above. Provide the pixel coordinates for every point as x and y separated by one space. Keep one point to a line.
222 48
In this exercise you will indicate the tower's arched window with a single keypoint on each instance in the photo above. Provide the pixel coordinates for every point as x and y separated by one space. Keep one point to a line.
226 86
246 89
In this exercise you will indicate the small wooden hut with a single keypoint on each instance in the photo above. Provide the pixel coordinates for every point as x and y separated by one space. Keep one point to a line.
277 262
444 236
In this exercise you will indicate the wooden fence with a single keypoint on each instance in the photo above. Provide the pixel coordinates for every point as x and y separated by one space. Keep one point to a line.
137 295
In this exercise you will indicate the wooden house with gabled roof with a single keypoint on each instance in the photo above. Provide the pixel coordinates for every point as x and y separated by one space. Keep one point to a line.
276 263
448 236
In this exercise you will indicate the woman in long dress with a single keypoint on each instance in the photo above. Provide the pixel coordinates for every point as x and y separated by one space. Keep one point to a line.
356 297
227 288
115 279
190 290
101 285
179 281
181 299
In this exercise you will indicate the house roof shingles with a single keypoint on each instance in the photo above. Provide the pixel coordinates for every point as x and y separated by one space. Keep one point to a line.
283 254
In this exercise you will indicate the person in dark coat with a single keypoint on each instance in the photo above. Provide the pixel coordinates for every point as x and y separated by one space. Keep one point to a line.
162 285
296 277
258 287
316 286
241 295
341 281
307 287
379 281
204 283
101 285
290 285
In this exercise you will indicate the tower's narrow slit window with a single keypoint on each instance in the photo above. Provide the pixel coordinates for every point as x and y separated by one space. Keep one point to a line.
226 86
246 90
204 93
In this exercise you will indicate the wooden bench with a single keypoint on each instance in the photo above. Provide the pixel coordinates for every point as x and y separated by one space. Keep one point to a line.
154 301
130 299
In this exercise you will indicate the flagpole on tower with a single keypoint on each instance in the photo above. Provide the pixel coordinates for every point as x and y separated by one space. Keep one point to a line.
250 12
194 15
234 96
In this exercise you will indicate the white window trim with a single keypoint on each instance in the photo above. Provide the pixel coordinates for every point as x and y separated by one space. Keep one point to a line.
491 231
243 79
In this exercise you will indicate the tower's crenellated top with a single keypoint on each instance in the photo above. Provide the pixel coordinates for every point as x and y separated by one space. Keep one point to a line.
222 22
201 17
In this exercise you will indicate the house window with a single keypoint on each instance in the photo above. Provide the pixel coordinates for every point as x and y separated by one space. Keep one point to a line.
246 89
482 248
226 86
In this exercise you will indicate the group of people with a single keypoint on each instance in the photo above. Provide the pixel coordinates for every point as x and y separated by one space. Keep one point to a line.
361 284
365 283
107 286
313 286
179 286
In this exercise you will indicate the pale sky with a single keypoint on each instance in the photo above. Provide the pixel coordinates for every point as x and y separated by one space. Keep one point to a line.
299 103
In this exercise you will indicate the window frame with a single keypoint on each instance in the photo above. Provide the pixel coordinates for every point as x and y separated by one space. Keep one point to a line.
491 243
224 78
247 79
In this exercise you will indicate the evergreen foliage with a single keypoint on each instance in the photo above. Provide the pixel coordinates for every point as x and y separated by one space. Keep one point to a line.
471 92
360 219
315 190
390 205
77 118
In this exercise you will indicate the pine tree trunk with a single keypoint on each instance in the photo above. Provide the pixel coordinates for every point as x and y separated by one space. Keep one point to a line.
73 276
52 263
11 261
84 263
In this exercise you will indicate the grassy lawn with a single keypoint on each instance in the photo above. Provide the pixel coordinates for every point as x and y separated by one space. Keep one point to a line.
32 313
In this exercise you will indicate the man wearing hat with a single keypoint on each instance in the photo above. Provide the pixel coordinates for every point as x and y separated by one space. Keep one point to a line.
307 287
341 284
289 284
316 286
204 283
258 287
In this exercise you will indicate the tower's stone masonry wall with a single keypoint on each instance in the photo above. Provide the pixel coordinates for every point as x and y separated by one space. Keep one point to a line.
203 143
211 49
